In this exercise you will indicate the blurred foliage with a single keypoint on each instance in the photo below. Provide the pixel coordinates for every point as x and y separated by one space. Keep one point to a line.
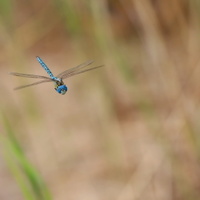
29 180
127 131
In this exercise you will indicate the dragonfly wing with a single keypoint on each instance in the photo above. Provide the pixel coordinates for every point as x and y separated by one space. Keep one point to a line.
36 83
71 70
78 72
29 75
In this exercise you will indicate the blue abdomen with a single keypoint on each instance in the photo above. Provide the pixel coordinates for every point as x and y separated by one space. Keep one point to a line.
45 67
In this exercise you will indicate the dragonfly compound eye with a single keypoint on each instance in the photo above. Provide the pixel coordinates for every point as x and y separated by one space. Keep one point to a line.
62 89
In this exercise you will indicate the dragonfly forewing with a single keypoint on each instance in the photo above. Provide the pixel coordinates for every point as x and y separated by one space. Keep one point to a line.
29 75
36 83
67 75
77 68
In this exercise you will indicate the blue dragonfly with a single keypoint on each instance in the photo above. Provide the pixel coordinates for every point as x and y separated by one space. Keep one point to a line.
60 87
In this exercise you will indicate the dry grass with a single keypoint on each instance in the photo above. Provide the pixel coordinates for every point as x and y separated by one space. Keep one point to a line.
129 130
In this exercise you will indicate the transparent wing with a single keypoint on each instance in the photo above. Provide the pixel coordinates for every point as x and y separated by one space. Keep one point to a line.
78 72
77 68
36 83
29 75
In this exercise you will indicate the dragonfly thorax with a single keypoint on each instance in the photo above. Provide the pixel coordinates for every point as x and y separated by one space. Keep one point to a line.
57 79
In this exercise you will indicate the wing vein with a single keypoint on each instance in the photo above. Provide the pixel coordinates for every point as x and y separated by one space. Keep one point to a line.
36 83
77 68
29 75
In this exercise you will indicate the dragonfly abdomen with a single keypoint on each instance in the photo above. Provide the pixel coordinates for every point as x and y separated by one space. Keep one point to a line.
45 67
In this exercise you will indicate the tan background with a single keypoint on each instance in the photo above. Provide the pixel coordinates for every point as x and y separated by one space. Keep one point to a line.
127 131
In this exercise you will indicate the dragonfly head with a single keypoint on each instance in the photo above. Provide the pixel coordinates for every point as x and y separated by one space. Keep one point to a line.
62 89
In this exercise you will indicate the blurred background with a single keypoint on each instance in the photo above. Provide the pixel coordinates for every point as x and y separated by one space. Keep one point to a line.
127 131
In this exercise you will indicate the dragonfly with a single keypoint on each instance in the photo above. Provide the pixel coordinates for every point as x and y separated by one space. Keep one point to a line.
59 85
